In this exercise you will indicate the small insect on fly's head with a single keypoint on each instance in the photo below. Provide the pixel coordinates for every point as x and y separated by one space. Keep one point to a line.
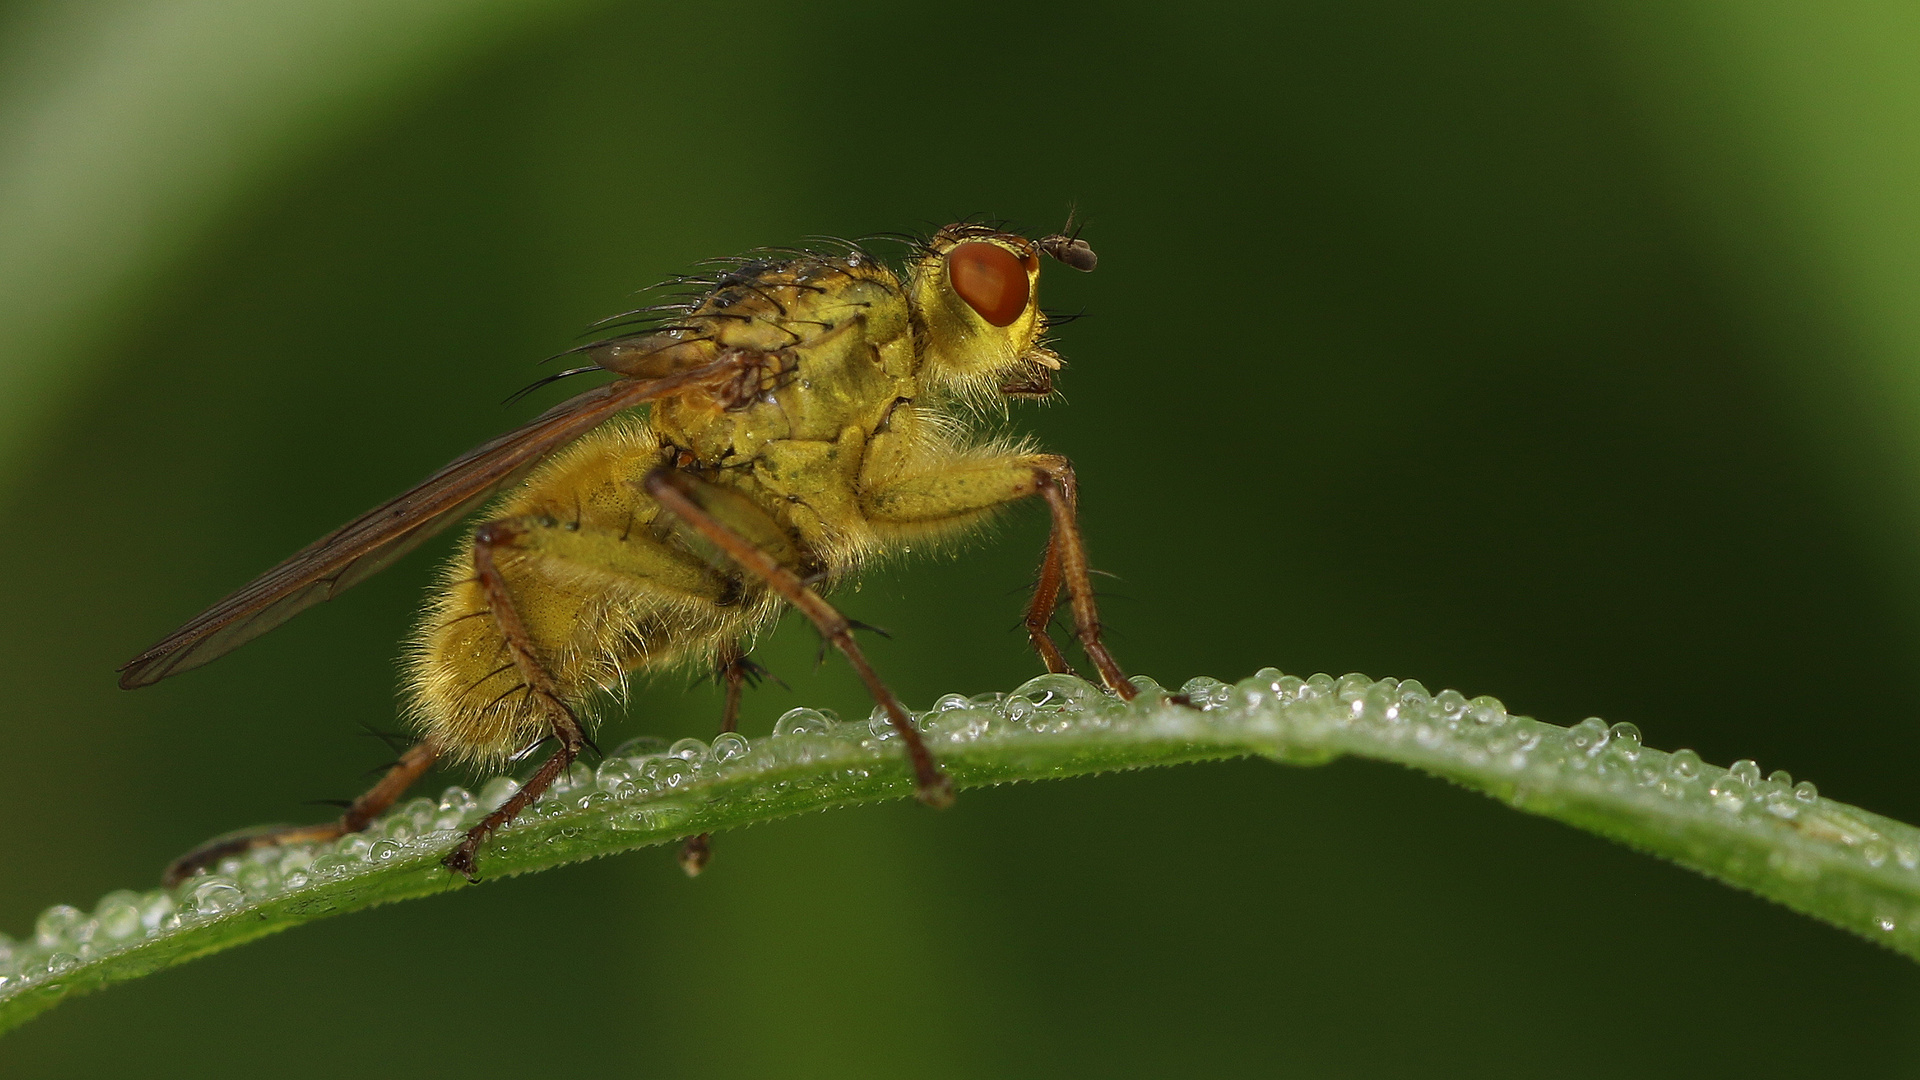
975 289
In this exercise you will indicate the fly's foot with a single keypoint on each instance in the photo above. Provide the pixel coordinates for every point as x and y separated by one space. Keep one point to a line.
201 858
934 788
210 853
461 860
695 853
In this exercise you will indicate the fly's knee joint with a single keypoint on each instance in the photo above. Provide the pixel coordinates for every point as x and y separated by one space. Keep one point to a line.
561 710
658 479
1054 478
495 534
1054 466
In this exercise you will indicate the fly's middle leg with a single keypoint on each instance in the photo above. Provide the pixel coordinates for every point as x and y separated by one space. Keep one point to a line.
681 495
733 671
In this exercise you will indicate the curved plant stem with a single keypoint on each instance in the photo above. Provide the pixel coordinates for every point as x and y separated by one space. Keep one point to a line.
1846 866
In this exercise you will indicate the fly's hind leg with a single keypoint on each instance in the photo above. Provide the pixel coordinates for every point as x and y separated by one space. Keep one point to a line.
567 732
516 563
735 668
681 494
359 814
962 490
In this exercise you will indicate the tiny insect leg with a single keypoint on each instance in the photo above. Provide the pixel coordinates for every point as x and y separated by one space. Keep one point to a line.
359 814
675 491
734 667
567 732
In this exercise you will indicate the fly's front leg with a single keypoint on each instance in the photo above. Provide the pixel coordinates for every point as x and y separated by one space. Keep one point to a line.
679 494
565 726
964 490
1046 596
734 669
1067 550
359 814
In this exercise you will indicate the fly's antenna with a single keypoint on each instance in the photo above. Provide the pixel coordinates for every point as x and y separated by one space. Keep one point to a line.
1067 247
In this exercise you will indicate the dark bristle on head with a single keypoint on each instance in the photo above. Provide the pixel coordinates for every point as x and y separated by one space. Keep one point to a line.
1072 251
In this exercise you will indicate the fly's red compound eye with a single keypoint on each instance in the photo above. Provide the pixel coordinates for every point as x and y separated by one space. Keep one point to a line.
991 279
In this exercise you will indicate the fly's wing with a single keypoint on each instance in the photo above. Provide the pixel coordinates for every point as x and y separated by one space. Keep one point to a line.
366 545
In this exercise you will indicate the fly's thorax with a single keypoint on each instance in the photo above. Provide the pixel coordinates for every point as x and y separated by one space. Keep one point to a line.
762 305
778 305
812 486
845 354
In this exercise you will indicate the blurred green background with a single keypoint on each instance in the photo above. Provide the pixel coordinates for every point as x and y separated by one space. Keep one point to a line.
1558 351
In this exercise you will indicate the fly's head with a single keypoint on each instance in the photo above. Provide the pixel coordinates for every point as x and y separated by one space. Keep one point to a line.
973 294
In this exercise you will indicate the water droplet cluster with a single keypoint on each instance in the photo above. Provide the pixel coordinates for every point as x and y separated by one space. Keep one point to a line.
646 790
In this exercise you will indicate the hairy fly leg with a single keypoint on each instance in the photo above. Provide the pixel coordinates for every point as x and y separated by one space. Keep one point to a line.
556 589
565 727
682 495
734 670
961 490
359 814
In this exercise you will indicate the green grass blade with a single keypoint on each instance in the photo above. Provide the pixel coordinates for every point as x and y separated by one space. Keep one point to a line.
1851 868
